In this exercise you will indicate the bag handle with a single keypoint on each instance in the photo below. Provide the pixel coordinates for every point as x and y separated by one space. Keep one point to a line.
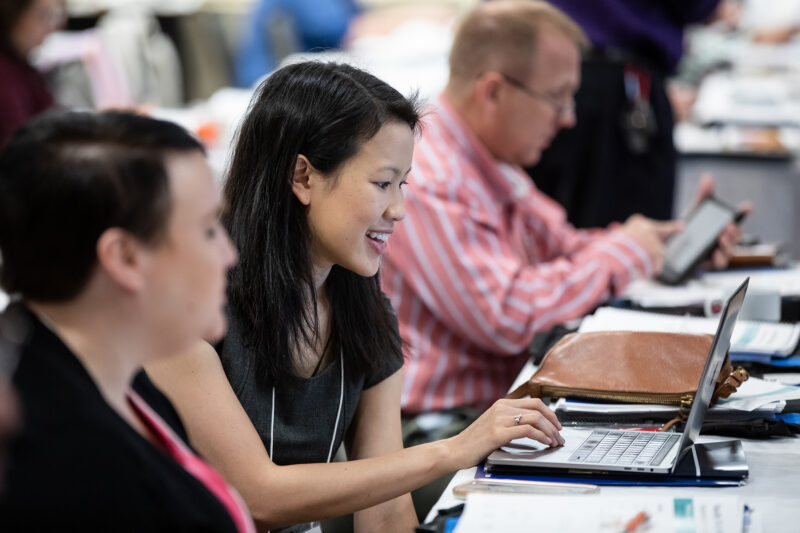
723 390
731 383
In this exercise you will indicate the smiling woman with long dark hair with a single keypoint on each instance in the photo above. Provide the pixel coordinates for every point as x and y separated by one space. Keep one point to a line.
313 356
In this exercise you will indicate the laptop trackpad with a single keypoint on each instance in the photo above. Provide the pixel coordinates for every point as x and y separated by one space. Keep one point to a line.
529 448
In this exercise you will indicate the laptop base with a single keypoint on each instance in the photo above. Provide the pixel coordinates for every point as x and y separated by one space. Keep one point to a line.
715 460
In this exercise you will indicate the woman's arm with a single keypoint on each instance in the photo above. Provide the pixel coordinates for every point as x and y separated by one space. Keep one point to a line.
374 432
280 495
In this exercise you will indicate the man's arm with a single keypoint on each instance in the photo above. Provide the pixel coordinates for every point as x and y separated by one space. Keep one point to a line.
471 276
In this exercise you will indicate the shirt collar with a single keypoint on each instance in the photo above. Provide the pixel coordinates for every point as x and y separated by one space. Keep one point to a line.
508 181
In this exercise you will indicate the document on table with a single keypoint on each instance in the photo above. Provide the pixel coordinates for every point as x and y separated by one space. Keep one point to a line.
785 281
787 378
713 286
757 393
755 100
754 398
650 293
492 513
748 336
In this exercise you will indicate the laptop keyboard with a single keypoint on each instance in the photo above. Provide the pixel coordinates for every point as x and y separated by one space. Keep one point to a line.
635 448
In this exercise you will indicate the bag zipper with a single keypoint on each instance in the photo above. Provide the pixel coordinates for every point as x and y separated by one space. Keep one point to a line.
683 399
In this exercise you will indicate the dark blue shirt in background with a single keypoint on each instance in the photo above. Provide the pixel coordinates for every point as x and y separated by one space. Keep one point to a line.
651 29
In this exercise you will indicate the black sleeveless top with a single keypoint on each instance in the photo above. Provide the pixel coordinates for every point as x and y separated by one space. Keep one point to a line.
305 408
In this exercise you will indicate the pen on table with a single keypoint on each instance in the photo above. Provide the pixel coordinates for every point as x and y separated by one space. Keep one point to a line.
522 487
636 522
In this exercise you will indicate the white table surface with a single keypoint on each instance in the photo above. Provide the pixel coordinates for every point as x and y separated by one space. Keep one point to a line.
772 489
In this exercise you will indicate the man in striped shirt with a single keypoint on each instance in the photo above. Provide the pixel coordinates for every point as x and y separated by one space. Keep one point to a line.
483 260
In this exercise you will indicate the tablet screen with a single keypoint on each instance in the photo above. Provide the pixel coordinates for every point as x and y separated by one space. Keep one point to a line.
702 231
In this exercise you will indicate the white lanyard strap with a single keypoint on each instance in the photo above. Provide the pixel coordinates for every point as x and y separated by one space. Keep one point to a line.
335 426
339 411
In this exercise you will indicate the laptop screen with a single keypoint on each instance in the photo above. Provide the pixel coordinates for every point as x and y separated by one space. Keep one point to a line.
708 379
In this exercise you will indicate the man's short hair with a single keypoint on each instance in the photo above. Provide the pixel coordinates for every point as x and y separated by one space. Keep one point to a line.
503 35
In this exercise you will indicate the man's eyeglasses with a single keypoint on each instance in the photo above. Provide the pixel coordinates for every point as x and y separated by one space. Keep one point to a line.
562 107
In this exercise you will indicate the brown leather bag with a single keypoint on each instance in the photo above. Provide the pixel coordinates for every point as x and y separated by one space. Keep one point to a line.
629 366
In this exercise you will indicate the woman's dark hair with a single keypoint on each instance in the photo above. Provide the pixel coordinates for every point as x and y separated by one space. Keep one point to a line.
10 11
324 111
65 178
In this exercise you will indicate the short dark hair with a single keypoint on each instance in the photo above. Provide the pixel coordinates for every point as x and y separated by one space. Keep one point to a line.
324 111
10 12
65 178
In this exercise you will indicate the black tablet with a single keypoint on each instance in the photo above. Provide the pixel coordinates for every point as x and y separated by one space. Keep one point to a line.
685 250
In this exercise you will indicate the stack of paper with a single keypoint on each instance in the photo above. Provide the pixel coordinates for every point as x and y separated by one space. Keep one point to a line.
649 293
755 399
713 285
787 378
489 513
765 342
756 394
729 98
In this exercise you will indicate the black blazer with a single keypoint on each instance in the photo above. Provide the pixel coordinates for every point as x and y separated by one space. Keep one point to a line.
77 465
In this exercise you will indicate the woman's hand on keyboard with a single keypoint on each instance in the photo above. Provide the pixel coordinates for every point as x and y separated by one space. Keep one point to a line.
503 422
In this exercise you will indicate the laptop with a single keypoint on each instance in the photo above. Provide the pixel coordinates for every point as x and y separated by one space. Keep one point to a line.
641 452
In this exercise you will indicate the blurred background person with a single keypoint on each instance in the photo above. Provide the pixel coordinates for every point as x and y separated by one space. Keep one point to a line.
771 21
24 24
278 28
619 158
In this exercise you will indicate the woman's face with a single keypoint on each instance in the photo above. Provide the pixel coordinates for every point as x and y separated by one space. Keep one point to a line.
35 23
188 271
352 215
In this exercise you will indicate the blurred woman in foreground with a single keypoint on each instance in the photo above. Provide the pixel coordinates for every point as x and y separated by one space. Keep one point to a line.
111 242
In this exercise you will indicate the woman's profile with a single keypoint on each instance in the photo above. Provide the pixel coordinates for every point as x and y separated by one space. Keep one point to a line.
313 357
113 249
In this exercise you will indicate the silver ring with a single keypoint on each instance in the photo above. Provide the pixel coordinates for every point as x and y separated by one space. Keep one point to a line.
517 419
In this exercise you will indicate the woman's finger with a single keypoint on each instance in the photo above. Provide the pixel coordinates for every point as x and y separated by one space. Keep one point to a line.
537 420
534 404
524 430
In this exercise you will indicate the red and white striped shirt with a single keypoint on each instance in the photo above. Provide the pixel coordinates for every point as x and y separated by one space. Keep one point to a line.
483 261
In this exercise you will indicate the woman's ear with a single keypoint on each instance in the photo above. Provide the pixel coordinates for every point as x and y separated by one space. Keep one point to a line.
120 256
301 179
